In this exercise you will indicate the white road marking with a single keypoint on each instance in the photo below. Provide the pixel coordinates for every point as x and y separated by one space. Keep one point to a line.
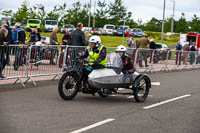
155 83
130 97
92 126
167 101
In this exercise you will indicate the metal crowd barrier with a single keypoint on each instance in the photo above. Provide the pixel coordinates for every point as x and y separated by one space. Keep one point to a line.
23 61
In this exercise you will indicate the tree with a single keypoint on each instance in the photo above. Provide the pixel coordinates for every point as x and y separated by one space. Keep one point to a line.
101 13
181 25
153 25
117 11
38 12
195 24
7 13
22 13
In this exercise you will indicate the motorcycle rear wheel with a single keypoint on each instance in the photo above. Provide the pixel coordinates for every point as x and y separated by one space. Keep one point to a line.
68 87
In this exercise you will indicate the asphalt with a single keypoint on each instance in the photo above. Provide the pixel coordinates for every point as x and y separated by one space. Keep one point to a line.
41 110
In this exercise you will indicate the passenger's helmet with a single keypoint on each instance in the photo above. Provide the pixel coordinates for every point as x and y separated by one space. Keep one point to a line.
95 39
120 48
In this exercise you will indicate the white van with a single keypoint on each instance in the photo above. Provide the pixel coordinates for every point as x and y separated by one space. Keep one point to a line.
108 29
49 25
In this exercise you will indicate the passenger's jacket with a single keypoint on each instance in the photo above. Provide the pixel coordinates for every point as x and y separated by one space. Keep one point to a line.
127 65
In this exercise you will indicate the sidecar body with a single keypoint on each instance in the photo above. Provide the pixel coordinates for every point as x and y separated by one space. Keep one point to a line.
110 78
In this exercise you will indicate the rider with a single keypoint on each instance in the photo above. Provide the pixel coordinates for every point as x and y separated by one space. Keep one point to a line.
126 61
97 53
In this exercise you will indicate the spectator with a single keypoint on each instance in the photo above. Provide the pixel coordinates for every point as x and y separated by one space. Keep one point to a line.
86 37
9 39
34 36
186 48
143 43
19 38
193 50
20 34
153 47
66 38
131 47
3 45
53 41
130 41
178 53
14 35
77 39
198 58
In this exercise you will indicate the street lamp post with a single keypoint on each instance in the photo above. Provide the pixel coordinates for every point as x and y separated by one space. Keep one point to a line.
163 23
124 19
89 14
172 25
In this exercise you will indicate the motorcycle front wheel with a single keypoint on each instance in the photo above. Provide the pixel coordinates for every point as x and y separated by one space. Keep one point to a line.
68 87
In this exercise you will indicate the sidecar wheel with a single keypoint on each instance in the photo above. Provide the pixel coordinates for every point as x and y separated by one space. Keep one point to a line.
68 87
141 91
103 93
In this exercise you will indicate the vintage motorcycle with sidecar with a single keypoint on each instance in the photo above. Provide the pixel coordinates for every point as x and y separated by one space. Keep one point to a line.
105 82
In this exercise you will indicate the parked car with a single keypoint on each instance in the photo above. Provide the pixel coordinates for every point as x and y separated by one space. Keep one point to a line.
137 32
49 25
121 30
108 29
33 24
44 41
161 46
70 27
96 31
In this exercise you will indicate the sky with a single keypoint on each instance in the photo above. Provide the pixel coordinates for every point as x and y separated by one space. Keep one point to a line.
141 9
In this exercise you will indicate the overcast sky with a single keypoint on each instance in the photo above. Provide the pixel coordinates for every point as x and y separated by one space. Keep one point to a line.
141 9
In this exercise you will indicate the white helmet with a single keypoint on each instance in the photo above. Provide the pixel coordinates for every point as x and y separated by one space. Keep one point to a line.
95 39
120 48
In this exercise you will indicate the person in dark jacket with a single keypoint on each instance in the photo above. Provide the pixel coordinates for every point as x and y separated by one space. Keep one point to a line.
193 50
77 39
9 39
34 36
127 66
3 47
19 37
66 38
153 47
178 53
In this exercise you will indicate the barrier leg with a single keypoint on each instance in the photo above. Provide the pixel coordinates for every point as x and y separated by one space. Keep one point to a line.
19 79
30 78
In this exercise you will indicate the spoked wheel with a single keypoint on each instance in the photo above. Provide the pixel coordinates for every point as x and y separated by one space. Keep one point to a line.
68 86
103 92
141 91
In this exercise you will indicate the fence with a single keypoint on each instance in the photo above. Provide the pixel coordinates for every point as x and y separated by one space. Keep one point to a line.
23 61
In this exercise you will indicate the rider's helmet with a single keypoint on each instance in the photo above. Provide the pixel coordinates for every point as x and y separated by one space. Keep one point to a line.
95 39
120 48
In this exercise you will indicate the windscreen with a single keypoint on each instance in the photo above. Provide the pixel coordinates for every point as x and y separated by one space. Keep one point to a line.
34 21
51 22
109 27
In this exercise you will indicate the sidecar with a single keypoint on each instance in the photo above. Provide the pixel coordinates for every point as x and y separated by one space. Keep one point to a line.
110 78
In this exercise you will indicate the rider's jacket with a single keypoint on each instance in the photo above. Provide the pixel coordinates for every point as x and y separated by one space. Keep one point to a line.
97 55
